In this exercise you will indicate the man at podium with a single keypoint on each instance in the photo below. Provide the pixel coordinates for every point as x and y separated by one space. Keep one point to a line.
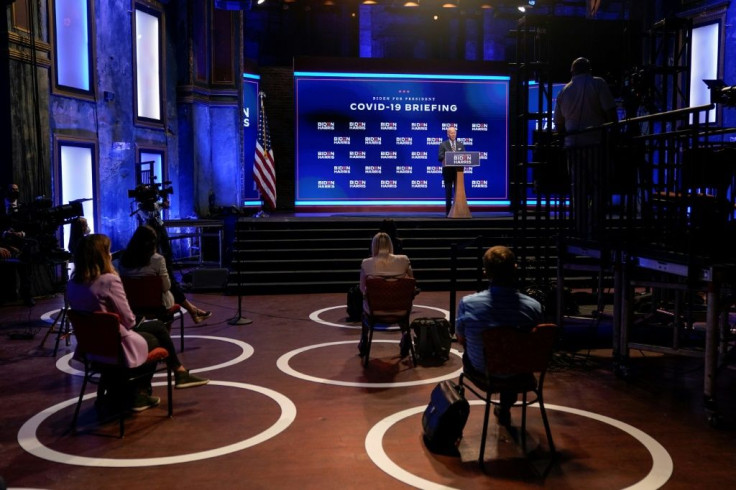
449 174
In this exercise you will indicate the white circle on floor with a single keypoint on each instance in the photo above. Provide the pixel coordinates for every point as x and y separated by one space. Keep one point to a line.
283 365
660 473
315 316
30 443
63 363
52 315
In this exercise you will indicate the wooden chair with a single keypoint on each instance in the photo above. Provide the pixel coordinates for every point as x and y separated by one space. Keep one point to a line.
100 348
144 297
516 361
389 301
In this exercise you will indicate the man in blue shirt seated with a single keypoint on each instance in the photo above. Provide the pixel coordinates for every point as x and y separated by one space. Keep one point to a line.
500 305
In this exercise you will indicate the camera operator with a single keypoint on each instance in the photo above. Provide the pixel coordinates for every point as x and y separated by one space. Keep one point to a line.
13 244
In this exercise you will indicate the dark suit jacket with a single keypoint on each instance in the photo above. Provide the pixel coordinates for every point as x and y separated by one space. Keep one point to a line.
444 147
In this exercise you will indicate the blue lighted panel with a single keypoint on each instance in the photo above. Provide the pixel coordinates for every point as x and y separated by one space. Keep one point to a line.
366 139
250 196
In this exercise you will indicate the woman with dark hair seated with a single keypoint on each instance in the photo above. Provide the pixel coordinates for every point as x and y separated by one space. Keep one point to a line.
96 286
141 259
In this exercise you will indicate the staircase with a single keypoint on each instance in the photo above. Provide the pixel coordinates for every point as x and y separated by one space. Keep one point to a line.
317 255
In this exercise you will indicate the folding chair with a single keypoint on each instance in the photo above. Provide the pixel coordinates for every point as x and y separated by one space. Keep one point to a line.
516 361
144 297
100 348
389 301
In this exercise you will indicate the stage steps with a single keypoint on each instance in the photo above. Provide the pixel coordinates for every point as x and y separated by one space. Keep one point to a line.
315 255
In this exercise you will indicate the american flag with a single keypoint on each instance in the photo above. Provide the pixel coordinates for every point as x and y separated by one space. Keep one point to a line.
264 169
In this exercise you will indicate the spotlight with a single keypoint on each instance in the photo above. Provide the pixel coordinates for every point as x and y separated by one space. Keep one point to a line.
522 8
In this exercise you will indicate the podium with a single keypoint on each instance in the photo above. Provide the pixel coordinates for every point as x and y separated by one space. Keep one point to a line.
461 159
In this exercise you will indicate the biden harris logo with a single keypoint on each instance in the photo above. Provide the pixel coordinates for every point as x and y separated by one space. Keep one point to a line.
466 141
328 126
479 127
357 125
341 169
419 155
388 126
325 155
388 155
341 140
325 184
372 140
360 155
372 169
479 184
357 184
434 169
434 141
418 126
418 184
483 155
389 184
404 169
403 140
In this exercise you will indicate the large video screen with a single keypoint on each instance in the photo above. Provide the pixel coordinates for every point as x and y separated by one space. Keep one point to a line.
372 139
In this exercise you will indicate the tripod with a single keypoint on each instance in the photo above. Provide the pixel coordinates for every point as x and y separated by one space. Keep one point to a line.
64 329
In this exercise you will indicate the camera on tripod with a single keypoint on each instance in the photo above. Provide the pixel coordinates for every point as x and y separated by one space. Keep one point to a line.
40 221
148 196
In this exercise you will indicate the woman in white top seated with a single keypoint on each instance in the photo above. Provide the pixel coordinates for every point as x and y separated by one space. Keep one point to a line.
383 263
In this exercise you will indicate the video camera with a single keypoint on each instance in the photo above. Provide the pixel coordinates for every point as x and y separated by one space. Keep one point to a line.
39 217
39 221
148 195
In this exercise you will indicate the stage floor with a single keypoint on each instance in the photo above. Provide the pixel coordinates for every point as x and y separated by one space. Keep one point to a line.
290 406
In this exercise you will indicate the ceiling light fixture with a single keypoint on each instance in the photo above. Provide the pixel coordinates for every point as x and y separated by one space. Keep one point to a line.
411 3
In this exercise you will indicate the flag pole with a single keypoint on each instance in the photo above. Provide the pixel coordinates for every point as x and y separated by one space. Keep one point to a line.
264 161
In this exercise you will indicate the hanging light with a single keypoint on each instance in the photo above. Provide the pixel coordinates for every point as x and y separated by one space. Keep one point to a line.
411 3
369 2
451 4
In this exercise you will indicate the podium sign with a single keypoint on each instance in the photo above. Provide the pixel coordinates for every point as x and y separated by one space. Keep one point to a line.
462 159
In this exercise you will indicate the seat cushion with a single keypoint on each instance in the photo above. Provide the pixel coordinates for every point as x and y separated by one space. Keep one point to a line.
157 354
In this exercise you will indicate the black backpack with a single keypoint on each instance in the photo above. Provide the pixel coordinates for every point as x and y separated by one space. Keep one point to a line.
432 340
444 418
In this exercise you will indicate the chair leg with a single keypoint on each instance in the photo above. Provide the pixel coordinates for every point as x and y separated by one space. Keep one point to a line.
543 411
369 341
181 326
484 432
412 351
169 391
79 401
